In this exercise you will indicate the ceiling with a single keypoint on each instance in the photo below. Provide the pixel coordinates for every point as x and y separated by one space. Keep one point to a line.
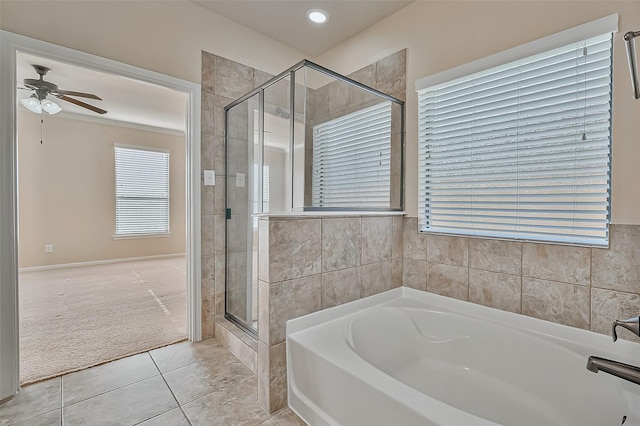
286 20
125 99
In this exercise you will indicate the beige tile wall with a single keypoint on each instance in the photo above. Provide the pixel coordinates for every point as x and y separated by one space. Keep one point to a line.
576 286
223 81
313 263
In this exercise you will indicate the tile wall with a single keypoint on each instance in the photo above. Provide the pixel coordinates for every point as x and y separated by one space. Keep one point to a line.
223 81
577 286
313 263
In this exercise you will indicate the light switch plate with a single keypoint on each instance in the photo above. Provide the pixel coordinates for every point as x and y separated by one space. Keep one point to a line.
240 180
209 177
48 248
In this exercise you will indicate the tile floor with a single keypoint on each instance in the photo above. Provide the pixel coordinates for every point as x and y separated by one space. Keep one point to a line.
182 384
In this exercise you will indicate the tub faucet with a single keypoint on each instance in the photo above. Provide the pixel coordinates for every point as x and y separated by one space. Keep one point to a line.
615 368
631 324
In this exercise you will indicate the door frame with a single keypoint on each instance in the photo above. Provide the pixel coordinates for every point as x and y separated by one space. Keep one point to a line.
10 44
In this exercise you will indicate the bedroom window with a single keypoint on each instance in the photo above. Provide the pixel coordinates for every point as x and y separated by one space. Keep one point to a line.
142 191
521 150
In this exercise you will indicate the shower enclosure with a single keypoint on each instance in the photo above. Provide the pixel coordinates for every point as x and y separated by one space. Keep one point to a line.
307 140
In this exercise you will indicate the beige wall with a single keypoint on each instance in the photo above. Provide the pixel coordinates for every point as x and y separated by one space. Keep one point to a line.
163 36
441 35
66 191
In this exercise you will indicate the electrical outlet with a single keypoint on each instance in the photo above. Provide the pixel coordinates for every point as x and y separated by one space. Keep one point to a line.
48 248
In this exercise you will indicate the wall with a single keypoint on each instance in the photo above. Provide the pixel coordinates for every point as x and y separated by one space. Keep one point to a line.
223 81
309 263
576 286
162 36
67 191
439 35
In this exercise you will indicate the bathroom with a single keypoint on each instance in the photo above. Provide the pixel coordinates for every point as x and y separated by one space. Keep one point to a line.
581 287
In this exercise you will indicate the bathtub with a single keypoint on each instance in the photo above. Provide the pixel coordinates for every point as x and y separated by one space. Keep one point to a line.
407 357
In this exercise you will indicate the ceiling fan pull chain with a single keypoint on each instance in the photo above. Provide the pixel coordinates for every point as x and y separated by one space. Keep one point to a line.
41 125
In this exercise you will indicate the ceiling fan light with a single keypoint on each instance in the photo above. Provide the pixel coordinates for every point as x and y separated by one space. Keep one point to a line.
50 106
32 104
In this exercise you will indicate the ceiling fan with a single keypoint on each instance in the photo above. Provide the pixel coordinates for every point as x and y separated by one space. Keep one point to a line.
38 102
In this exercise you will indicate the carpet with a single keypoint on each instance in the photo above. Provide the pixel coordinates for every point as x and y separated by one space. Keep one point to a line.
74 318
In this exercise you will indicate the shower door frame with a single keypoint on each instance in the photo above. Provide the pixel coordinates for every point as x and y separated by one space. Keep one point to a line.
260 90
244 325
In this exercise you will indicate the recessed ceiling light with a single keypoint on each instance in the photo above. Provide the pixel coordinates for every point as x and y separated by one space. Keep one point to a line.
318 16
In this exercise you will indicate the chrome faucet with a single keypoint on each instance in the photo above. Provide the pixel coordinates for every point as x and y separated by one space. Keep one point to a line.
618 369
631 324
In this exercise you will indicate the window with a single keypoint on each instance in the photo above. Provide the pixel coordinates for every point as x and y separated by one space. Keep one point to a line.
142 191
352 160
521 150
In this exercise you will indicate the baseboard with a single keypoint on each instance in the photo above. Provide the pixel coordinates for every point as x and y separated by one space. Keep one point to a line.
98 262
239 343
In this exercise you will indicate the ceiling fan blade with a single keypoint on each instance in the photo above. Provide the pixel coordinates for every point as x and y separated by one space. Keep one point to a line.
80 94
81 104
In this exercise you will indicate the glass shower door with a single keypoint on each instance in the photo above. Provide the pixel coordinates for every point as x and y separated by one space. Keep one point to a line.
242 194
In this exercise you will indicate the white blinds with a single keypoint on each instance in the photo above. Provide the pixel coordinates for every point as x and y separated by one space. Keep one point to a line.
142 191
256 192
521 150
352 160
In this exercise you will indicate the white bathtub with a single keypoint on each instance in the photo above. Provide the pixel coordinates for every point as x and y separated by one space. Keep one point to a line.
406 357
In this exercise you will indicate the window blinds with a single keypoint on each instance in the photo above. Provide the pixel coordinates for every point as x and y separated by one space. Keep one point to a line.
142 191
256 192
521 150
352 160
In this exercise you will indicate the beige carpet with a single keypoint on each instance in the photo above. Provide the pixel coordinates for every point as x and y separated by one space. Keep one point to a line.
74 318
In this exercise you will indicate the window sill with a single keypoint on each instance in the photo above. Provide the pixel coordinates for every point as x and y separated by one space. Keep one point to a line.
140 236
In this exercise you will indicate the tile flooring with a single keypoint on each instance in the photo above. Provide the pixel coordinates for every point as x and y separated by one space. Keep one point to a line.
182 384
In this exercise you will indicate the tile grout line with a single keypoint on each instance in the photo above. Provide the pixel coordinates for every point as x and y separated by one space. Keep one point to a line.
111 390
170 390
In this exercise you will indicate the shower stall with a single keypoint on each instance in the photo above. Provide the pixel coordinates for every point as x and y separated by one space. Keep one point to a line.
308 140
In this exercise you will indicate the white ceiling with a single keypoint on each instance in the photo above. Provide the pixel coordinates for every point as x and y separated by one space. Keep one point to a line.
286 20
125 99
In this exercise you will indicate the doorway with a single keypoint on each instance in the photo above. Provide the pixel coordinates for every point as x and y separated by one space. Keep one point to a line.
11 46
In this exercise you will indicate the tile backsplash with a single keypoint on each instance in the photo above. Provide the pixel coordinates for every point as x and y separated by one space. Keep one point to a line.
581 287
